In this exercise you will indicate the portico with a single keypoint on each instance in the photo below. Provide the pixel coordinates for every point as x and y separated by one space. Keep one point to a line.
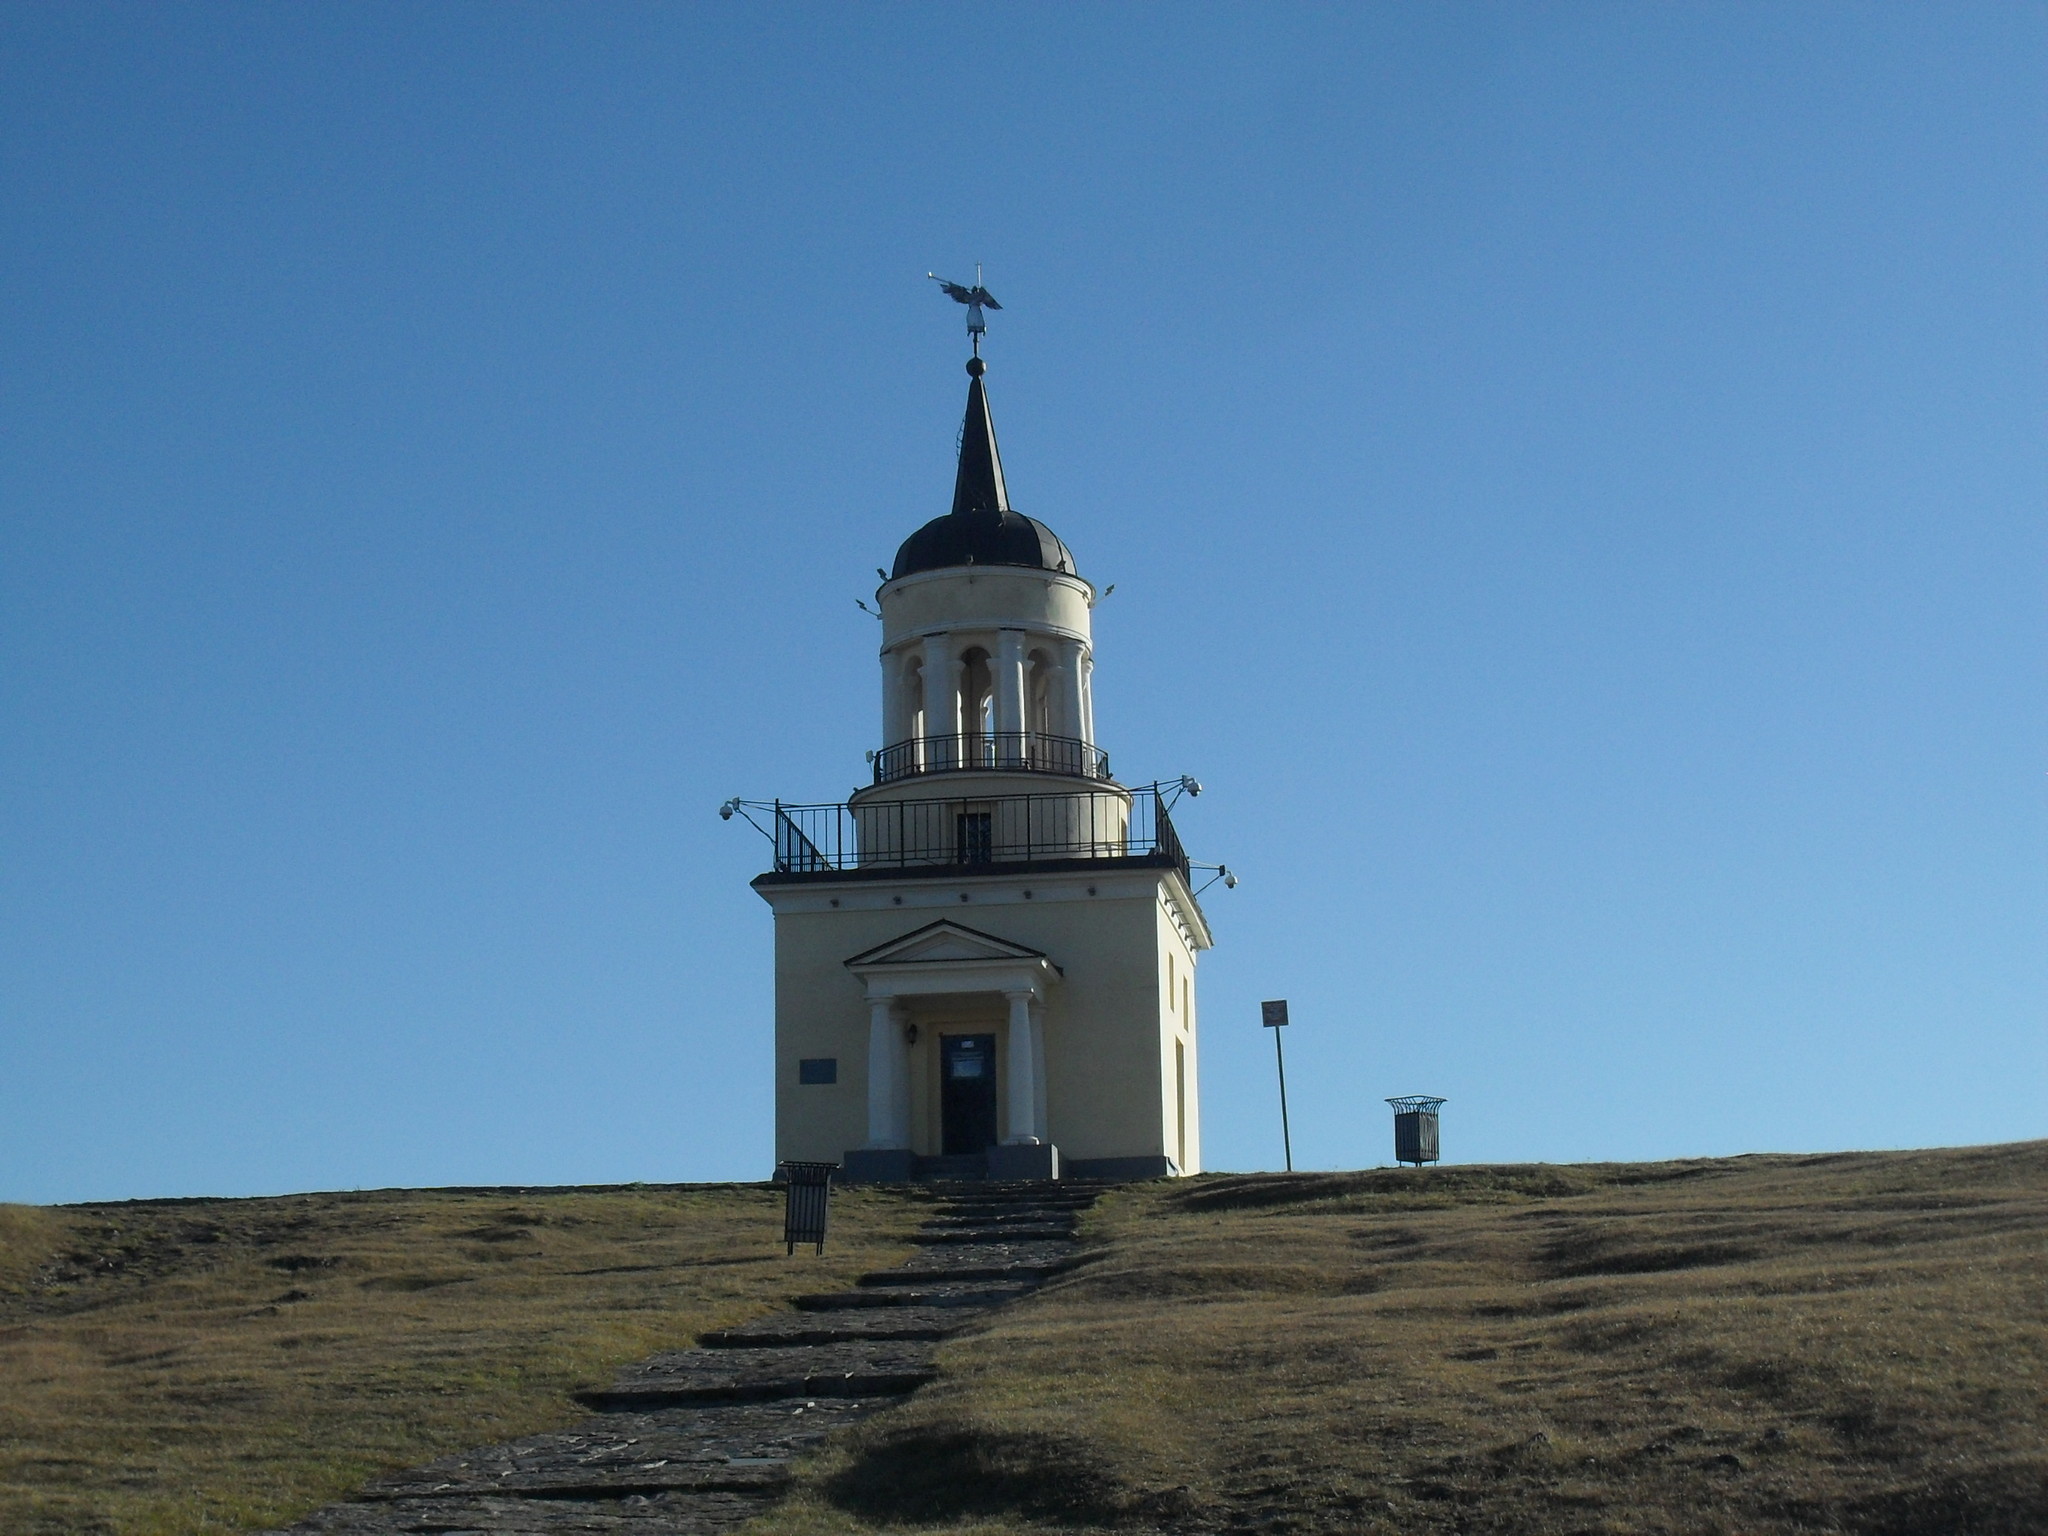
947 979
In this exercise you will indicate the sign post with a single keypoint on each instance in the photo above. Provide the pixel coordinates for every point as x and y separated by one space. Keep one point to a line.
1274 1016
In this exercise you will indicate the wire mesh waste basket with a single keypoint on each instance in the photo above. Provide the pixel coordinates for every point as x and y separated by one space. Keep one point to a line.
808 1205
1415 1128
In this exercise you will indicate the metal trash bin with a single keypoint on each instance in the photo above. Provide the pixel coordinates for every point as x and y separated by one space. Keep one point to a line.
1415 1136
807 1206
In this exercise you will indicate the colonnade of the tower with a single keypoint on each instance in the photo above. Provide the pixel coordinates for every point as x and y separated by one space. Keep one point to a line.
995 699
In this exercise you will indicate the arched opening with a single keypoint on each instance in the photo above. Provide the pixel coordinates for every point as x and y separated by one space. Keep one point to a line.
977 706
1038 694
904 750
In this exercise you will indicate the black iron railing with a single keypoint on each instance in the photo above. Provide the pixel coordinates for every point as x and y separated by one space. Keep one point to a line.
956 833
1011 751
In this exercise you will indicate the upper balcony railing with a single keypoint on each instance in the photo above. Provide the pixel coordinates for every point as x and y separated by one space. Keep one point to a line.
999 751
941 836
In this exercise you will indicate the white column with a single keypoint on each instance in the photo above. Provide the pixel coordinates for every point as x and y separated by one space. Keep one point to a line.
1067 715
1088 699
899 699
941 703
1041 1119
888 1076
1009 686
1023 1071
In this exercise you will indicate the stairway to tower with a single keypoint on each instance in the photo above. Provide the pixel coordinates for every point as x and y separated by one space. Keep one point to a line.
695 1441
960 1168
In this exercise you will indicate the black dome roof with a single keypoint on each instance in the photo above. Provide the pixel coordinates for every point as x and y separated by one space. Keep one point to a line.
1009 538
982 528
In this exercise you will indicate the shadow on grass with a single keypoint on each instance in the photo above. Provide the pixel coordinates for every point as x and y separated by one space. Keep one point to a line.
1583 1254
1265 1191
2004 1500
932 1474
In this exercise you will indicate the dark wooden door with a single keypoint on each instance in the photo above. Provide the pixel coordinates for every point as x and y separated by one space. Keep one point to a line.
967 1093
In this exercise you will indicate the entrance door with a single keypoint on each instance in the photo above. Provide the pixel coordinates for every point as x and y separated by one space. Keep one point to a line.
967 1093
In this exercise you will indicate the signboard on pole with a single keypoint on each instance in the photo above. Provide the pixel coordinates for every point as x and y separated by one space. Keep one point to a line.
1273 1015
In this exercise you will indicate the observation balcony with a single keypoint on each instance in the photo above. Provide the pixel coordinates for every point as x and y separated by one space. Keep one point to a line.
1005 751
891 838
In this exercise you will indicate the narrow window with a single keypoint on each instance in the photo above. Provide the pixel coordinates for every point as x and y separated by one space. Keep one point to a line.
816 1071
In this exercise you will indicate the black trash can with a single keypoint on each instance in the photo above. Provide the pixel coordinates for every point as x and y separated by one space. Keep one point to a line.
1415 1139
808 1203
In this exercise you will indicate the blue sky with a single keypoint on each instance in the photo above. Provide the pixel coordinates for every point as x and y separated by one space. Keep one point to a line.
1572 476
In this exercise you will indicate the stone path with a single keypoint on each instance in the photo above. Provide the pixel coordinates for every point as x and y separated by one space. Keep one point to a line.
696 1441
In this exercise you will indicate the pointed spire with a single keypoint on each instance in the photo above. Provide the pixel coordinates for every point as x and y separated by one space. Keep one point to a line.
978 489
983 528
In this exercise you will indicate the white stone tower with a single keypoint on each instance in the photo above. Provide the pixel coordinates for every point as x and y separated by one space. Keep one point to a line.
985 960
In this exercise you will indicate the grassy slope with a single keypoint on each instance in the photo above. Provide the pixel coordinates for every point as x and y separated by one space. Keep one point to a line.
1766 1344
204 1365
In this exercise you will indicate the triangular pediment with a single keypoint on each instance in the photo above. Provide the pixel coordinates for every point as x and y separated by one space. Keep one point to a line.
937 943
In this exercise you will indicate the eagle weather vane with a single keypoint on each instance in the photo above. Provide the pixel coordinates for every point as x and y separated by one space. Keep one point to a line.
976 299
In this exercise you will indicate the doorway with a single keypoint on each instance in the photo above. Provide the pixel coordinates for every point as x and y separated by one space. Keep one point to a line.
967 1093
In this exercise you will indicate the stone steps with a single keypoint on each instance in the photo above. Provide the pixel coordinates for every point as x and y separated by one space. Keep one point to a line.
675 1512
1060 1218
695 1442
841 1325
849 1368
1029 1261
921 1293
943 1236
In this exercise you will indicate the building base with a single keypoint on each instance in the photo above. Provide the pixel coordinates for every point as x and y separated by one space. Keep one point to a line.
878 1165
1005 1164
1121 1170
1013 1164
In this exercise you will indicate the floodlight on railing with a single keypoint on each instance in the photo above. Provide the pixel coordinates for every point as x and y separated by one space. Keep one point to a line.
741 808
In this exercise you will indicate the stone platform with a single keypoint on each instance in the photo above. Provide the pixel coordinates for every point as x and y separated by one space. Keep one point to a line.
695 1441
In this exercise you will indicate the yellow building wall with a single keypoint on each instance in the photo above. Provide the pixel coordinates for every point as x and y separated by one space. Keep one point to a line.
1111 1087
1177 1011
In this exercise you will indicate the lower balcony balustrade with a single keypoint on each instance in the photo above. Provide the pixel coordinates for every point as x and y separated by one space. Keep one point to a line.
1002 751
939 836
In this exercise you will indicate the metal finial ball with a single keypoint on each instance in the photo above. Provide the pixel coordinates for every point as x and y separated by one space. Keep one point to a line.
976 367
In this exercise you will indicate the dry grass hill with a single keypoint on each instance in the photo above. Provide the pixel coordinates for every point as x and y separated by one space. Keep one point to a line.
1854 1343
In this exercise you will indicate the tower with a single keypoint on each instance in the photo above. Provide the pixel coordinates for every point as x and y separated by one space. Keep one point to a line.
985 958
